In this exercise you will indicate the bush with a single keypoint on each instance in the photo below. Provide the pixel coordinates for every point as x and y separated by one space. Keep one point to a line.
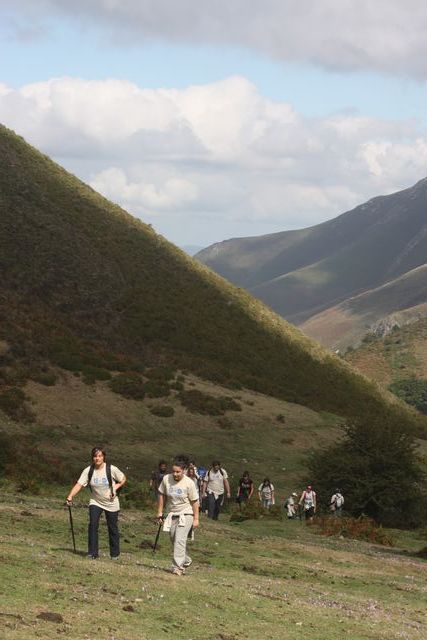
356 528
280 418
157 389
47 378
378 471
413 391
253 510
12 403
129 385
163 411
91 374
198 402
162 374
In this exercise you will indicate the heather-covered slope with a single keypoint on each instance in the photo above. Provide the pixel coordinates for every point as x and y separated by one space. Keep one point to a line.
78 269
300 273
399 302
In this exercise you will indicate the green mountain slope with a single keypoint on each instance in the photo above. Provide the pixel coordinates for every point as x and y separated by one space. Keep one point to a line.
401 301
300 273
78 269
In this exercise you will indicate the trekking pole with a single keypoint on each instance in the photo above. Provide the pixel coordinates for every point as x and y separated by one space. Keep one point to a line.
157 536
72 527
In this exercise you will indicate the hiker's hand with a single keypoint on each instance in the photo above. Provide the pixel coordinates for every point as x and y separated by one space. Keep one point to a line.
159 519
69 501
228 495
195 523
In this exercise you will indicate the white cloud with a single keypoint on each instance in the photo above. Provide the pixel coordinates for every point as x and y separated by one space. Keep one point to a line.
218 151
382 35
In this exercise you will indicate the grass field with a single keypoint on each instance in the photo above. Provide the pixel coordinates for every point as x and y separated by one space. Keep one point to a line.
253 580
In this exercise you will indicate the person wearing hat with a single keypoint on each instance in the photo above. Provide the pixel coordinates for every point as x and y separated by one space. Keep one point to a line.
290 506
308 502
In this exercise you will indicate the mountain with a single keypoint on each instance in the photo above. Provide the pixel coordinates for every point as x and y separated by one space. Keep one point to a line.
85 283
301 273
379 311
191 249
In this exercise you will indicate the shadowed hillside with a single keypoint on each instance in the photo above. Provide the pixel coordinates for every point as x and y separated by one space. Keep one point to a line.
78 270
300 273
399 302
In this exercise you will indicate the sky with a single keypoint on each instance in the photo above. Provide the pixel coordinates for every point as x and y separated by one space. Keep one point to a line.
232 118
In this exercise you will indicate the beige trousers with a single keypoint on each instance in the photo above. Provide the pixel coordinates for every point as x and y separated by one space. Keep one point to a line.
178 536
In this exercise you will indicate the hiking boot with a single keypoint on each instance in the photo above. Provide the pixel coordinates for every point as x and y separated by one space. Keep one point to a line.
114 557
176 571
90 557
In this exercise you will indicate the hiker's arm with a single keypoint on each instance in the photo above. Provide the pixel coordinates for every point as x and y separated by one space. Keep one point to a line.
238 491
195 507
251 492
204 487
119 485
227 487
160 505
74 491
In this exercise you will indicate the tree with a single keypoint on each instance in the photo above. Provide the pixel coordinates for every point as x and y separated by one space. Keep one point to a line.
377 468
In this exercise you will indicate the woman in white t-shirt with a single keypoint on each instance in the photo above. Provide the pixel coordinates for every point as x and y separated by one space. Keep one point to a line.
178 509
104 481
266 493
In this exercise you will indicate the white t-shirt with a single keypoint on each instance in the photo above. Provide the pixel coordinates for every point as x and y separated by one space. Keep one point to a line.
266 491
100 488
179 495
215 480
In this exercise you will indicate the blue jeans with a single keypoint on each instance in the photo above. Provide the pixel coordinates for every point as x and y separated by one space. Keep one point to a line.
113 531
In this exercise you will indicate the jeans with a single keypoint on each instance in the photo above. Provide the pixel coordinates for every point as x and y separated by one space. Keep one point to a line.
214 505
113 531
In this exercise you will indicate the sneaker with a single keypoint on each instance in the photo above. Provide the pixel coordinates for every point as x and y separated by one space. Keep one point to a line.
90 557
176 571
187 563
114 557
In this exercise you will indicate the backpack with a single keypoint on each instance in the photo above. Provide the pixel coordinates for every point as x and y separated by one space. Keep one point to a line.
109 476
339 500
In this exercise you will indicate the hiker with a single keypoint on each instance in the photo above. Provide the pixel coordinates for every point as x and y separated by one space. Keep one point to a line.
104 481
245 489
266 493
337 503
192 474
308 503
179 500
215 483
157 476
290 506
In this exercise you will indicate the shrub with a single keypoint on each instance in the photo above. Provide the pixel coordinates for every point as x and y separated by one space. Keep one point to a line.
129 385
67 361
413 391
163 411
362 528
377 468
198 402
253 510
91 374
280 418
157 389
47 378
12 403
163 374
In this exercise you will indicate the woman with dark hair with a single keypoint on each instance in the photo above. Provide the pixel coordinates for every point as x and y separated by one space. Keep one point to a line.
266 493
245 488
104 481
178 510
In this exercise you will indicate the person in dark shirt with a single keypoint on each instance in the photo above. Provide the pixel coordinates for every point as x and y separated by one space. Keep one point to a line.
245 489
157 476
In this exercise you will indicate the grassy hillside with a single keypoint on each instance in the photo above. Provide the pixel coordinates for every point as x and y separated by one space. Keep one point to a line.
400 355
401 301
300 273
257 579
84 284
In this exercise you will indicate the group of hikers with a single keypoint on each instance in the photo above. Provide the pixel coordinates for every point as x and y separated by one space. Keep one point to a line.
180 495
